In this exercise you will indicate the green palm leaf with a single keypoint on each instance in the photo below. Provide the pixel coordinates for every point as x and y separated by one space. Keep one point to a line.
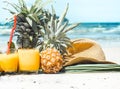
92 68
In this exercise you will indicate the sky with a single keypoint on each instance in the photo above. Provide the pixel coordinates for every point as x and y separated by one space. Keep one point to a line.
79 10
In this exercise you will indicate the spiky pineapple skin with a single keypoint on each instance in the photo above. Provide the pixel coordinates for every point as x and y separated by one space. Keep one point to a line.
51 60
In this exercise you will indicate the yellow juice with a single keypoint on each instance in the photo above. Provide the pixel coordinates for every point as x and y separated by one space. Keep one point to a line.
29 60
9 62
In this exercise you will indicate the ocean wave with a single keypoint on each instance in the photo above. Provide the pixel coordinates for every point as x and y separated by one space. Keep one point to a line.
95 30
82 29
5 32
113 30
5 27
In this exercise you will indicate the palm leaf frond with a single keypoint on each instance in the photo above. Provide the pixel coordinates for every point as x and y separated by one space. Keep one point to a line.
92 68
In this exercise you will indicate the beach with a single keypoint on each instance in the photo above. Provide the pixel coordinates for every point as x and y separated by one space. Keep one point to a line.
109 40
111 50
31 23
112 54
97 80
104 80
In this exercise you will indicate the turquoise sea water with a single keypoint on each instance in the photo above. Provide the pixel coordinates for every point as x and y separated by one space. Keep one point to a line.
104 33
98 31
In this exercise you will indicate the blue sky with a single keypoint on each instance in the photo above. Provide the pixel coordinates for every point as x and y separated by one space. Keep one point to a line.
80 10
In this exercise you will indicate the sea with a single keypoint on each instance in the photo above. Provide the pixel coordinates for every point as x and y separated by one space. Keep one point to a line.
105 33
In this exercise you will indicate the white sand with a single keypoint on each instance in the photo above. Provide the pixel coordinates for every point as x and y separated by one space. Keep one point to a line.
108 80
62 81
112 54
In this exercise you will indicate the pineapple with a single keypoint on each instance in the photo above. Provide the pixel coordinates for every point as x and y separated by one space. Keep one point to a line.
29 21
51 60
55 42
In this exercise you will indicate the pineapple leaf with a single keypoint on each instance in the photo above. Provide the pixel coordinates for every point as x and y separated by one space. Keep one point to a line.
24 11
23 7
38 9
61 18
34 26
53 10
21 2
61 35
9 11
55 29
39 12
34 7
47 31
16 7
52 26
29 21
42 33
40 5
62 49
24 4
61 28
55 22
67 43
37 2
70 27
34 17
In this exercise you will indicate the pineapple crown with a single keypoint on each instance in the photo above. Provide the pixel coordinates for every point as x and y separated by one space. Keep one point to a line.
54 32
29 21
40 23
31 14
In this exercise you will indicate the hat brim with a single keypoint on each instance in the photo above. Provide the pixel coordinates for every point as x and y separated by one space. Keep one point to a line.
86 51
85 60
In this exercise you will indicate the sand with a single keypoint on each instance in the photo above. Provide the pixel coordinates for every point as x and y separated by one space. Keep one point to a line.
109 80
112 54
104 80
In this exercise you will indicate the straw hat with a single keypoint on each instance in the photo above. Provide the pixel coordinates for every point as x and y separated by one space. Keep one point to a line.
85 51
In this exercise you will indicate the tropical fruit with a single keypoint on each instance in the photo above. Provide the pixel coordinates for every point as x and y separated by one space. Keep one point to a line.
37 27
29 60
52 60
9 62
55 42
29 22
